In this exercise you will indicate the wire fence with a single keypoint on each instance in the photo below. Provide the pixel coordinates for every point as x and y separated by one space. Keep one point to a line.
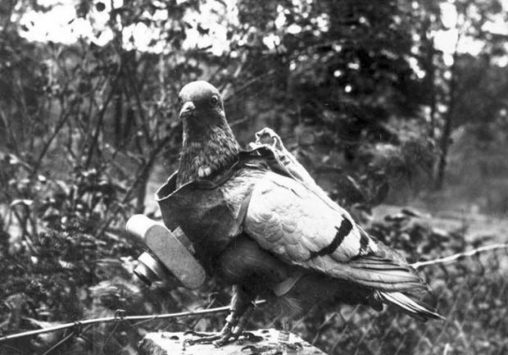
471 291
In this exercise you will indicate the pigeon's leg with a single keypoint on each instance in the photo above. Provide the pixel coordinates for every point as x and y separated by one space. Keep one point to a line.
242 305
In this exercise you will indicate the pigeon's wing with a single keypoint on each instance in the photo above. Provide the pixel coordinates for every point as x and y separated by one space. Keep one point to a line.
302 228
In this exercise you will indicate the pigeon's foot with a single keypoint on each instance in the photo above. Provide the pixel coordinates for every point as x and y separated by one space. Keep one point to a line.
223 338
203 338
233 330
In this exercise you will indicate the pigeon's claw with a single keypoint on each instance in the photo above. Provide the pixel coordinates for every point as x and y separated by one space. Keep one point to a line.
203 338
241 336
232 331
227 335
241 307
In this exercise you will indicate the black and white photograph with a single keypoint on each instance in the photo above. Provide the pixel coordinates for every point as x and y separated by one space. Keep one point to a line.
230 177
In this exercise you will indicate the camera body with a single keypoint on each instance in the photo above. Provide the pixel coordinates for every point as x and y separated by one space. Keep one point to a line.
170 253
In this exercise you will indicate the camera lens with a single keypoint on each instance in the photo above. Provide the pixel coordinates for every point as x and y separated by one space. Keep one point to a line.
149 269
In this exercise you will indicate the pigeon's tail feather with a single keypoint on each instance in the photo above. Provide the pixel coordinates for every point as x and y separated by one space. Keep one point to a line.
410 306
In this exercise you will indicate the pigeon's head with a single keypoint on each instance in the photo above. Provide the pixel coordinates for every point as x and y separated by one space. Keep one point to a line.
208 143
201 105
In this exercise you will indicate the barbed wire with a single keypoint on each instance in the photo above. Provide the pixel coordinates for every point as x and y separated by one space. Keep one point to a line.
120 314
459 256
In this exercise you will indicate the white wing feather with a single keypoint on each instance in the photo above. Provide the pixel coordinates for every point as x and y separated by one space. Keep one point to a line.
295 222
290 220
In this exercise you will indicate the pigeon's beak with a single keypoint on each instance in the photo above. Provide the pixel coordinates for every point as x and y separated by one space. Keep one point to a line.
187 110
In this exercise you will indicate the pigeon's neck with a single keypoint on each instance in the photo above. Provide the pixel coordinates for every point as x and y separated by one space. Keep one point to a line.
203 155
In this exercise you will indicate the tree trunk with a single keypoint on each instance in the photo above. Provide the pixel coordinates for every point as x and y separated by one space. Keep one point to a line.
430 68
448 125
433 94
445 145
141 188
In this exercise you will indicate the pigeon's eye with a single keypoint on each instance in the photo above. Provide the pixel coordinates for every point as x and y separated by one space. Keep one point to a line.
214 100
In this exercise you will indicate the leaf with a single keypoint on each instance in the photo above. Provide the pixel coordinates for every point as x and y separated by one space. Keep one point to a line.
64 187
399 217
46 339
354 190
410 212
24 202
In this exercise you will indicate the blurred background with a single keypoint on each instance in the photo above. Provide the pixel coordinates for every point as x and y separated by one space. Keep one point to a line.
399 109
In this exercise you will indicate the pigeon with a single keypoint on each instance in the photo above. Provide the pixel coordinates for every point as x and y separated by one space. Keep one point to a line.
283 238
